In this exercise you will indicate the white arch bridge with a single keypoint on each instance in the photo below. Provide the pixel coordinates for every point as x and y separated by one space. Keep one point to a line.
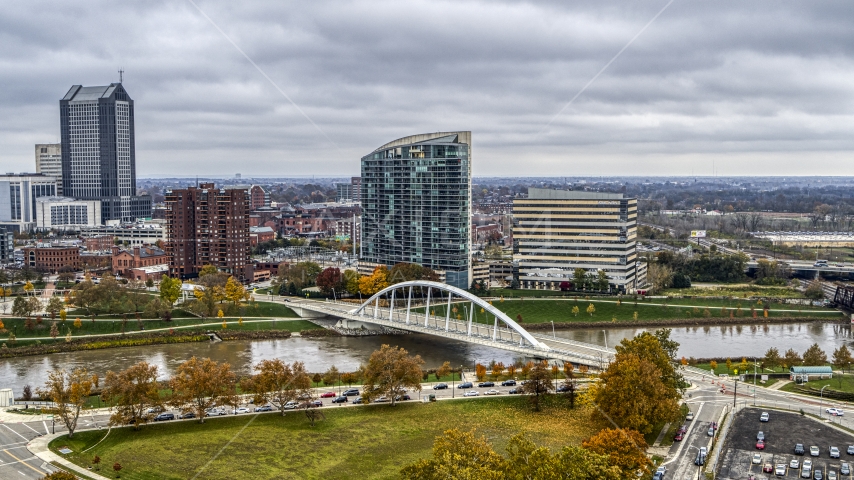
396 307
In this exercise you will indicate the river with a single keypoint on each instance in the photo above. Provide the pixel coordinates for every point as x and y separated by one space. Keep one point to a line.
347 353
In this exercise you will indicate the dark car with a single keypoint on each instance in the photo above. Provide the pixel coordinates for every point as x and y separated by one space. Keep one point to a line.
508 383
341 399
187 415
440 386
799 449
353 392
400 398
486 384
563 388
164 416
357 401
465 385
513 391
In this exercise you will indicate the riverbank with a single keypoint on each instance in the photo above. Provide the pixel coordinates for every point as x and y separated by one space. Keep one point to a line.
677 322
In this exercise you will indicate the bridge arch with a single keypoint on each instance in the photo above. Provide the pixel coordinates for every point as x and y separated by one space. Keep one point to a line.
450 292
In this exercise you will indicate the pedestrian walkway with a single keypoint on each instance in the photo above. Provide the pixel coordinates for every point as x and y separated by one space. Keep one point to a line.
661 435
779 385
39 447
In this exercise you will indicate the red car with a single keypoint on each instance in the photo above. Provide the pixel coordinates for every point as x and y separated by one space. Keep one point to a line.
329 395
768 468
678 437
760 445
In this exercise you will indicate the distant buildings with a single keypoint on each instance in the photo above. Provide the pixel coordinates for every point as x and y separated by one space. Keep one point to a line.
63 213
98 151
49 162
18 194
208 226
47 258
416 205
126 261
558 231
140 233
258 197
350 192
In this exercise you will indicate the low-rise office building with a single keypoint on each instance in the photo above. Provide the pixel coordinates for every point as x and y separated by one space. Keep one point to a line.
126 260
556 232
63 213
18 194
47 258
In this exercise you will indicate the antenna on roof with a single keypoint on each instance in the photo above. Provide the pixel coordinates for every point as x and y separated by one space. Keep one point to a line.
121 74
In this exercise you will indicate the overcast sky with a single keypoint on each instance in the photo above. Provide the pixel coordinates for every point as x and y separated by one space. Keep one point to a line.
758 87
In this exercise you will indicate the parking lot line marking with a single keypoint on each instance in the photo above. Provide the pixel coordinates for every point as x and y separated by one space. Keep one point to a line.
16 433
24 463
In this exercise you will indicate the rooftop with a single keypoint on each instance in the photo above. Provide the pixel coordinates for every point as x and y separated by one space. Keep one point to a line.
550 194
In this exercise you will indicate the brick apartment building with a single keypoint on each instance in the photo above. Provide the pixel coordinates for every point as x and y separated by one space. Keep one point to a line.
52 259
99 243
124 261
208 226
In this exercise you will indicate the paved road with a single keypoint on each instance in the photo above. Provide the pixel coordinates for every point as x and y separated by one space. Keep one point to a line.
15 460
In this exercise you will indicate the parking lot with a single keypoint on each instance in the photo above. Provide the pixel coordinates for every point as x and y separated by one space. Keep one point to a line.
782 432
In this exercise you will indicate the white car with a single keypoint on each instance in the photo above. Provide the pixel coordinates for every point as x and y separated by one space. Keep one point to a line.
835 412
757 459
492 391
831 475
834 452
764 417
808 464
471 393
780 469
794 463
814 451
241 410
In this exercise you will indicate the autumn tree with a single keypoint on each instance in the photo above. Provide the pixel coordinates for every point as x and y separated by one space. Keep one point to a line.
69 392
772 358
54 305
201 384
625 449
842 357
658 349
458 455
170 289
814 356
480 372
330 280
278 383
575 310
388 370
591 309
791 358
23 307
444 370
54 330
373 283
539 383
234 291
331 375
131 392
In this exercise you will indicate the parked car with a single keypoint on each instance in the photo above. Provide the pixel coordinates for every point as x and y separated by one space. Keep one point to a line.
513 391
188 415
845 469
353 392
760 445
768 468
291 405
711 432
400 398
806 472
834 452
818 475
764 417
357 401
690 416
341 399
154 410
486 384
837 412
440 386
799 449
850 450
678 437
814 451
831 475
563 388
472 393
213 413
780 469
808 464
795 464
465 385
240 410
382 399
662 470
508 383
265 408
757 459
492 391
760 435
329 395
164 416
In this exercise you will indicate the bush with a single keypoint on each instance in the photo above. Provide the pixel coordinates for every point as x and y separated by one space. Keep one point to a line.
680 280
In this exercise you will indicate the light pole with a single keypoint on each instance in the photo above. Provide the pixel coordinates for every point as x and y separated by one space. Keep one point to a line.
821 400
605 333
754 381
553 329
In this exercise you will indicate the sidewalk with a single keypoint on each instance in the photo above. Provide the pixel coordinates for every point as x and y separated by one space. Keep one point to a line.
38 447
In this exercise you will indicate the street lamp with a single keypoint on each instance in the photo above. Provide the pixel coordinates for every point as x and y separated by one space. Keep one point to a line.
605 333
821 400
553 329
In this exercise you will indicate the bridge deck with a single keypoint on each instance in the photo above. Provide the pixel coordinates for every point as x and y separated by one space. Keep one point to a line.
591 355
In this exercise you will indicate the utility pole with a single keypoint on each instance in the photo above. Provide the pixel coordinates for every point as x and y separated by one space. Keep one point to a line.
734 394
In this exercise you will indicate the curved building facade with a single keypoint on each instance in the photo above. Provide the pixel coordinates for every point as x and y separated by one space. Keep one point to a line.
416 205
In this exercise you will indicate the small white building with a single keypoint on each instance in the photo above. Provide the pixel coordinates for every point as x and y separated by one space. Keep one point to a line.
64 213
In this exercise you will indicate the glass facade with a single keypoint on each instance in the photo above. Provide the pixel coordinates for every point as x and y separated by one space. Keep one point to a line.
416 204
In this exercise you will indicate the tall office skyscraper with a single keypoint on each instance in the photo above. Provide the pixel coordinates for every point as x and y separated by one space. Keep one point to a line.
98 153
416 205
49 162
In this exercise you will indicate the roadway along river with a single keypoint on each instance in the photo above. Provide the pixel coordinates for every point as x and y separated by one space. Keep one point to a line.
347 353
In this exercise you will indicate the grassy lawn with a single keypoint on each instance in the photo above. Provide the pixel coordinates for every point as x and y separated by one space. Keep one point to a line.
740 291
352 442
841 383
104 327
721 368
543 311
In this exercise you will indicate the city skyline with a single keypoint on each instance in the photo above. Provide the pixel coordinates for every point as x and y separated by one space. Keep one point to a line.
583 89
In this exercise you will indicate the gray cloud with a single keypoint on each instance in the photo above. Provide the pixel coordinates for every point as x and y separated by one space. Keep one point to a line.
758 87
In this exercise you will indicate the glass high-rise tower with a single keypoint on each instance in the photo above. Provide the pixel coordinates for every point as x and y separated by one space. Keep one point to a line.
98 153
416 205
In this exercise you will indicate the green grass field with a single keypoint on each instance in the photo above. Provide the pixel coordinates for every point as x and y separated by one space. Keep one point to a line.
543 311
373 441
841 383
260 310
